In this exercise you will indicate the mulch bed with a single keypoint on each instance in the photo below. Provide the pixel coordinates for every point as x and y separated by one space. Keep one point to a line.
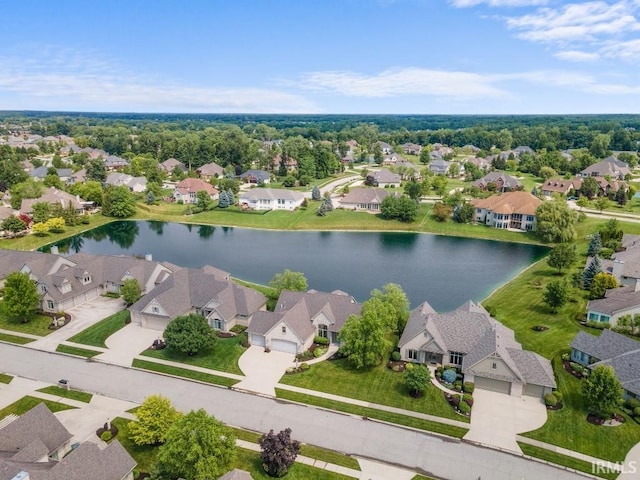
596 420
399 365
540 328
567 367
557 406
113 430
453 400
226 334
67 319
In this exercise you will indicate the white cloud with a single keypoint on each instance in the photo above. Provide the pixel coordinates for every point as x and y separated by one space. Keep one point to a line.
576 56
497 3
625 50
404 81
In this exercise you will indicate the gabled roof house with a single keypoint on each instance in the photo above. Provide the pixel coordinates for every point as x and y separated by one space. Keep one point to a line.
270 199
503 182
515 210
385 178
187 190
610 166
367 199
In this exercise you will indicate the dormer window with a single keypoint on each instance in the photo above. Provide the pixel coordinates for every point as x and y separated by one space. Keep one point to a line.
43 288
86 279
284 329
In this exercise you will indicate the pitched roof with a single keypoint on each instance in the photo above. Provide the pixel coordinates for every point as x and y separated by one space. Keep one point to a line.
169 164
609 166
256 194
385 176
236 474
54 196
189 185
364 195
562 185
210 169
257 174
36 424
39 264
499 178
510 202
615 300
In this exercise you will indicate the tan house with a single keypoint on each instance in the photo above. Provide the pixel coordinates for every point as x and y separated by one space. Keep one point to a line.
514 210
483 349
561 186
53 196
364 199
170 164
384 178
187 190
209 171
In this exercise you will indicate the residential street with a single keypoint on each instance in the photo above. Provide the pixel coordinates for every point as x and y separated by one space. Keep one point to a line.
445 459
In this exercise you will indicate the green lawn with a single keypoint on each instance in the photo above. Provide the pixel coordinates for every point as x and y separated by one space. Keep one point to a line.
223 357
183 372
80 352
563 460
38 325
373 413
15 339
63 392
145 456
4 378
96 334
377 385
27 403
568 427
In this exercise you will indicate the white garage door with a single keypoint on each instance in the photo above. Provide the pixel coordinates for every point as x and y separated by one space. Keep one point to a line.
493 385
155 323
257 340
534 390
284 346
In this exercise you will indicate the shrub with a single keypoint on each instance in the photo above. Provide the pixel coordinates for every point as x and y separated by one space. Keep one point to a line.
409 366
468 399
396 368
457 385
320 340
550 400
566 357
395 356
304 367
464 408
306 355
105 436
455 400
238 328
318 352
606 253
558 395
468 387
636 412
439 371
632 403
449 375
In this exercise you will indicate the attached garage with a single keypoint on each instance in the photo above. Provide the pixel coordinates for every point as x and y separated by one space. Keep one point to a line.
154 323
257 340
284 346
532 390
493 385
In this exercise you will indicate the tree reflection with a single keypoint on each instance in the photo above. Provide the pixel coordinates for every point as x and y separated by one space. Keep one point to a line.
123 234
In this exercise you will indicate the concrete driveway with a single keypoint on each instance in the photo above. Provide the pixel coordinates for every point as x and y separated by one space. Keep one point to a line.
127 343
82 317
497 418
263 370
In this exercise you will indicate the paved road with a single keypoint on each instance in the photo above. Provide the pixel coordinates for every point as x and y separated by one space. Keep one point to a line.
451 460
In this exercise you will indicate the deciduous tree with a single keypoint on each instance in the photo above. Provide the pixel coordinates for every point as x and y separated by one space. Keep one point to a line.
602 391
189 334
600 284
288 280
153 419
562 256
21 299
279 452
364 338
118 202
556 222
556 294
417 379
130 291
393 295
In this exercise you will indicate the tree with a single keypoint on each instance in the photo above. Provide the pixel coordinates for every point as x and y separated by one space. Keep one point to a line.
595 245
231 197
547 172
203 201
41 211
315 193
118 202
439 184
441 211
289 181
602 391
621 196
463 213
96 170
417 380
21 299
151 198
197 447
130 291
399 208
55 224
393 295
288 280
582 202
611 234
223 199
40 229
278 452
153 419
189 334
590 272
602 203
414 190
600 284
13 224
589 187
556 294
562 256
556 221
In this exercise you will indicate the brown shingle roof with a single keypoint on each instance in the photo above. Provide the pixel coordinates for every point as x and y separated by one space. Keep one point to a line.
511 202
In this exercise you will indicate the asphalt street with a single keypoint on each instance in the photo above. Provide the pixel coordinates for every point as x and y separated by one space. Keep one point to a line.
387 443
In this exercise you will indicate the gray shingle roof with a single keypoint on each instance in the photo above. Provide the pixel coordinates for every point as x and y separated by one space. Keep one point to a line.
257 174
256 194
385 176
236 474
533 368
615 300
416 322
506 180
364 195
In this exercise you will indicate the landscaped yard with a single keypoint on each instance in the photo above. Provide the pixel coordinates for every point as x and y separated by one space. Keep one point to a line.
15 339
569 428
97 334
27 403
38 325
377 385
183 372
80 352
63 392
223 357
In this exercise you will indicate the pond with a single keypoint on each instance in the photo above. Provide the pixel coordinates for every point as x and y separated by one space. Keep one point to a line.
445 271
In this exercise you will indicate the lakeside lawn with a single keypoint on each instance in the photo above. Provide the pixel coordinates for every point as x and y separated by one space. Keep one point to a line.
38 325
97 334
223 357
376 385
568 427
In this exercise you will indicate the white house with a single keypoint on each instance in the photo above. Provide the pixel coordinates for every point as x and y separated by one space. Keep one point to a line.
270 199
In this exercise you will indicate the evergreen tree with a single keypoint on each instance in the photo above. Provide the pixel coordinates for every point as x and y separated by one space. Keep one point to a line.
315 193
327 203
621 196
595 245
150 198
282 168
223 199
231 198
591 271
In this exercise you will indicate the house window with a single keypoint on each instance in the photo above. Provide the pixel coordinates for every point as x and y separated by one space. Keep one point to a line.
217 324
605 318
43 288
529 218
50 304
413 354
456 358
284 329
594 316
86 279
494 365
281 201
323 331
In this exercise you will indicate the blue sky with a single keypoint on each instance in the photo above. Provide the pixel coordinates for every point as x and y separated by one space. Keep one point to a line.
321 56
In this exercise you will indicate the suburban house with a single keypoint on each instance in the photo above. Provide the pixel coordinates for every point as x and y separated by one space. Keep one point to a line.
516 210
169 165
385 147
617 302
187 190
36 446
209 171
270 199
392 159
255 176
502 181
41 172
439 166
367 199
484 350
613 349
299 317
624 264
207 291
610 166
135 184
411 148
385 178
53 196
561 186
481 163
113 162
290 163
78 177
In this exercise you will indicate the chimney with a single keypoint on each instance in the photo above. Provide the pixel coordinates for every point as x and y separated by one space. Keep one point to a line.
637 287
54 250
618 269
148 257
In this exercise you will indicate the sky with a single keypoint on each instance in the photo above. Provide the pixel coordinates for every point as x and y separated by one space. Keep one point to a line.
321 56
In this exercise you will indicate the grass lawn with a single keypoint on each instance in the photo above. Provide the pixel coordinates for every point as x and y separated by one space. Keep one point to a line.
15 339
97 334
568 427
183 372
80 352
63 392
373 413
27 403
376 385
4 378
38 325
223 357
560 459
145 456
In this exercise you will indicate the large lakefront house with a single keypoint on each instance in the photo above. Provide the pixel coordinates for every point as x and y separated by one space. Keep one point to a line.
270 199
514 210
